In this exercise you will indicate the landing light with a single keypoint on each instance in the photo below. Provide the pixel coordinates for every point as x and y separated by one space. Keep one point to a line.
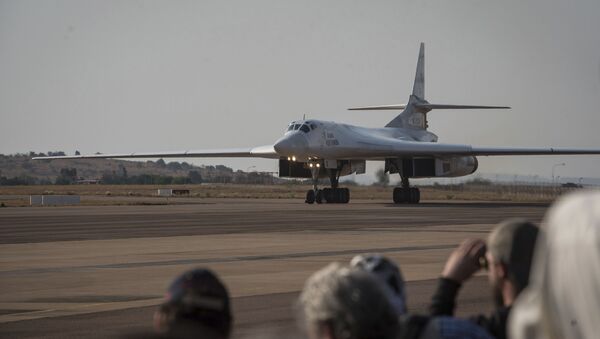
318 165
310 165
289 158
293 158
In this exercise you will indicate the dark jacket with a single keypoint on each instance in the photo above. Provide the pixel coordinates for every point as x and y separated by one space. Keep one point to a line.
443 302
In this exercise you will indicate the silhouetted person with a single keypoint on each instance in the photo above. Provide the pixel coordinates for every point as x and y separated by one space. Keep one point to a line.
388 273
339 302
508 262
413 326
196 306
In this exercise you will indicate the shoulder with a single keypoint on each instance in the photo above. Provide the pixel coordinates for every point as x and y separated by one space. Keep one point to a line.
450 328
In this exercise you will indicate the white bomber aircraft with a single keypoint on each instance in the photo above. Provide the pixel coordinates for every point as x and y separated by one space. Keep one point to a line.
321 149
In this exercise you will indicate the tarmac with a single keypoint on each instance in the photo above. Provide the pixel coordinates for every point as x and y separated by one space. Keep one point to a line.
100 271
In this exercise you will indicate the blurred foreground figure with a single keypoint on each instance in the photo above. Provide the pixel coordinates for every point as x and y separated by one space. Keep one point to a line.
508 260
413 326
563 299
388 273
196 306
339 302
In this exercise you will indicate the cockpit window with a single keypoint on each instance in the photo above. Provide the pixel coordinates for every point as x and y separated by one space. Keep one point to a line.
296 126
305 129
313 126
290 127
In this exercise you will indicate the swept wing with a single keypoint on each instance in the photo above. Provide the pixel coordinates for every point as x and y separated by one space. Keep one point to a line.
391 148
256 152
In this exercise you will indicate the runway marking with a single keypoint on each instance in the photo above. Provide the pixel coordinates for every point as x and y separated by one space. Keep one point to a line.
76 309
229 259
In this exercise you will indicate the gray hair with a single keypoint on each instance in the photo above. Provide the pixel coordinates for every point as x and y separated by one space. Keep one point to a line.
388 273
563 297
353 302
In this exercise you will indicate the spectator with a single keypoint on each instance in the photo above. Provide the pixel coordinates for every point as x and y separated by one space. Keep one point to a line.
388 273
196 306
338 302
563 299
411 325
508 261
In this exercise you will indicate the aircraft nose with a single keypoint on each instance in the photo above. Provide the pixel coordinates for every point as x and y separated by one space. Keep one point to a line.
293 144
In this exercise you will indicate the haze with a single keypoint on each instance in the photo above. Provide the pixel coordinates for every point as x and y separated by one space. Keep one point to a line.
130 76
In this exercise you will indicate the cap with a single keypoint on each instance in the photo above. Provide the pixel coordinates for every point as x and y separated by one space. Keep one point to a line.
199 288
198 298
512 242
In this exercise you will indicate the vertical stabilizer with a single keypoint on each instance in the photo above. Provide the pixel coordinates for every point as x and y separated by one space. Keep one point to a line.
414 114
419 85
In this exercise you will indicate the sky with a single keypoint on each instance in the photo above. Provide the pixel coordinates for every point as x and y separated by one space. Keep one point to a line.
135 76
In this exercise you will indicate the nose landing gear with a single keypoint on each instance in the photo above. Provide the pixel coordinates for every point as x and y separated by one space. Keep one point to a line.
331 195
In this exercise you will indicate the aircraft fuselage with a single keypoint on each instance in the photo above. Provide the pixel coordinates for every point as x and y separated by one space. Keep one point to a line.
316 139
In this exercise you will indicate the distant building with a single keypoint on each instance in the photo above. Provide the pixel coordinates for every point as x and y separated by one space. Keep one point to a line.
82 181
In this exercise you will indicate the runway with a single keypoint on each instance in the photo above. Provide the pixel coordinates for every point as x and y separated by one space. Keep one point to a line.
99 271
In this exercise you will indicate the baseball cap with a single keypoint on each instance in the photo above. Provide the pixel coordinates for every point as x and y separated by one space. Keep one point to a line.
512 242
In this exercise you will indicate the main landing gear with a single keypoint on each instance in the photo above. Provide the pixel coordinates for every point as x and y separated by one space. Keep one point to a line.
406 194
331 195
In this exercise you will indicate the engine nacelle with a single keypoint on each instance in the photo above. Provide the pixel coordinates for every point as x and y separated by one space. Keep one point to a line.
432 167
294 169
455 166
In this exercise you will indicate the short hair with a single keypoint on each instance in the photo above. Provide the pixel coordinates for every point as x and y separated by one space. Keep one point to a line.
197 300
512 243
353 302
389 274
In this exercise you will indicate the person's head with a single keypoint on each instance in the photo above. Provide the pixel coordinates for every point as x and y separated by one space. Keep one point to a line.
563 297
197 302
509 254
339 302
388 273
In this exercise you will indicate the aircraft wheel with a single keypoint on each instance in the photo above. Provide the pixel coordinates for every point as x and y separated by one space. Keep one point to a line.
398 195
310 197
346 195
319 196
339 195
409 196
328 195
416 195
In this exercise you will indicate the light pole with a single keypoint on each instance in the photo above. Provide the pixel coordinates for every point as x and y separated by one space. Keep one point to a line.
553 167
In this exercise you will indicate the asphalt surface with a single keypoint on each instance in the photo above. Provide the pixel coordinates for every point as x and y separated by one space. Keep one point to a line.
99 271
261 316
224 216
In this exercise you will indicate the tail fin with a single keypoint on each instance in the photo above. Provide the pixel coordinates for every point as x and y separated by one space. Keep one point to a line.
414 114
419 85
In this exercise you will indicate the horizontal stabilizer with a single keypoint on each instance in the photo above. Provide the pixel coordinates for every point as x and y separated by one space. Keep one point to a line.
427 107
373 108
438 106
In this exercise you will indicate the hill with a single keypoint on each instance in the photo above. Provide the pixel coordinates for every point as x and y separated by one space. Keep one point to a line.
19 169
